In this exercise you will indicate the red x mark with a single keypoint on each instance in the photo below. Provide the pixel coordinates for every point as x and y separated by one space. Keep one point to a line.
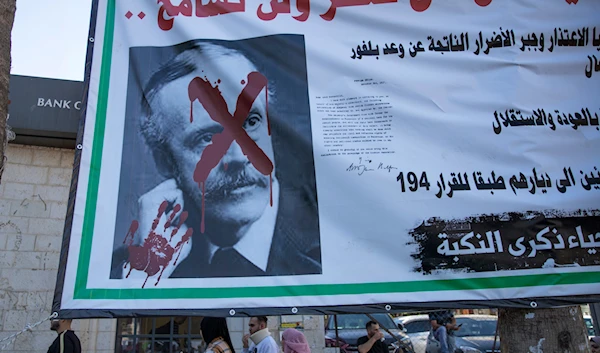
213 102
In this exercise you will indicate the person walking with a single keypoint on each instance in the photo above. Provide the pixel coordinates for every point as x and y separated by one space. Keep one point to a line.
216 335
259 339
67 341
294 341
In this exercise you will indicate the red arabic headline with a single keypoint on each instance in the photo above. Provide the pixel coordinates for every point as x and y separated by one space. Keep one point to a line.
187 8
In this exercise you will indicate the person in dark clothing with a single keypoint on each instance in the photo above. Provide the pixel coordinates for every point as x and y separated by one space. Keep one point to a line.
373 342
443 324
67 341
216 335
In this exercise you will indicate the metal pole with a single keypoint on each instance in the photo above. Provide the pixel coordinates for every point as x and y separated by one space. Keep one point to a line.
496 335
337 337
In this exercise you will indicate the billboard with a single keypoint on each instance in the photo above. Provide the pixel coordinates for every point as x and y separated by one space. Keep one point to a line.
245 156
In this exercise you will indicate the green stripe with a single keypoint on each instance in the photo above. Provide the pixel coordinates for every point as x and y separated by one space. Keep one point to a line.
94 176
81 292
343 289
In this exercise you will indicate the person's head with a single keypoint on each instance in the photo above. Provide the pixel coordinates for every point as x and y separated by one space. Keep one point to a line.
215 327
180 133
595 344
257 323
294 341
372 328
60 325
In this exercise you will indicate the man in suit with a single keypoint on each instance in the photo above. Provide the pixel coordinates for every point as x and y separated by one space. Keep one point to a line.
244 220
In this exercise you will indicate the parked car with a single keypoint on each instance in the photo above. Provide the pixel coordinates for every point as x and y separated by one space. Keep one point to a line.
417 327
476 335
350 327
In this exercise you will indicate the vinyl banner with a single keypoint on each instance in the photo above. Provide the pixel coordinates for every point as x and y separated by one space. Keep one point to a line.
244 154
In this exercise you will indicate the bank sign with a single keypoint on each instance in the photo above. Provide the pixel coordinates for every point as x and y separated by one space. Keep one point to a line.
45 108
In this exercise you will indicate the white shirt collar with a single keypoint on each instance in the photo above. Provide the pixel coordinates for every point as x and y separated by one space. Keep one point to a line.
255 245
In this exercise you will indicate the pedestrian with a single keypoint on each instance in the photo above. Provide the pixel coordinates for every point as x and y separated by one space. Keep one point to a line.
373 342
443 325
595 344
259 340
216 335
67 341
293 341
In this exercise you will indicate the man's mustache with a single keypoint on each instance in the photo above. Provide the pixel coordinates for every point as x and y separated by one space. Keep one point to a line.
225 182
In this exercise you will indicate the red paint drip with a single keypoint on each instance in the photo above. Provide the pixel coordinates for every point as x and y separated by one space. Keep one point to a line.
176 209
420 5
131 232
225 166
243 82
182 219
159 277
185 239
161 210
177 258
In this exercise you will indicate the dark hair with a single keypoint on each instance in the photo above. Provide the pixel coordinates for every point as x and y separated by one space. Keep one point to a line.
261 319
370 323
214 327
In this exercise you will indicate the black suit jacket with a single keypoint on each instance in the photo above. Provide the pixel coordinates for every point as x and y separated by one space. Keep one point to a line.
295 249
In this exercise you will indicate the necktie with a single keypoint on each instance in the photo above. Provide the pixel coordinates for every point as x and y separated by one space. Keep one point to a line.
227 262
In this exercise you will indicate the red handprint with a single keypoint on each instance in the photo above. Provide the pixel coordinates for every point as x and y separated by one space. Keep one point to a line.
155 253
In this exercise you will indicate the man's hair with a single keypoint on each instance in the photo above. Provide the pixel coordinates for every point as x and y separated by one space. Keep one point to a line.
370 323
189 58
184 63
262 319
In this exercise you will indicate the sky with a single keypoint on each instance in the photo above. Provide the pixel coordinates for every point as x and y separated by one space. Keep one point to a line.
49 38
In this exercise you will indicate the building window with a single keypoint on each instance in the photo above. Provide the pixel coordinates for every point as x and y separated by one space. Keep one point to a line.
179 334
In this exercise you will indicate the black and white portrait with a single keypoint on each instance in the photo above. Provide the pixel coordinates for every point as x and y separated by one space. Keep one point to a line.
217 173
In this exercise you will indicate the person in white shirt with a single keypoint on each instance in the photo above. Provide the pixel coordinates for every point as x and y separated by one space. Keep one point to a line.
259 339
